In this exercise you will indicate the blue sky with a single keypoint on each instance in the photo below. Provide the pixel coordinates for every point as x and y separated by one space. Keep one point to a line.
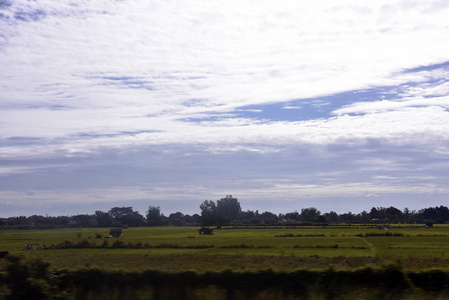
285 105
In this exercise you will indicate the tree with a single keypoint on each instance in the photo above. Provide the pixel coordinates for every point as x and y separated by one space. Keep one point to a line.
135 219
104 219
247 215
310 214
61 220
154 217
126 216
435 214
393 214
38 220
229 207
176 219
208 213
363 217
406 213
208 207
268 218
84 220
292 216
118 213
347 217
331 216
374 214
220 213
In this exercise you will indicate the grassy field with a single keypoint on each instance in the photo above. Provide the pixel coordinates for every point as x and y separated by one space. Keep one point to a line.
333 262
173 249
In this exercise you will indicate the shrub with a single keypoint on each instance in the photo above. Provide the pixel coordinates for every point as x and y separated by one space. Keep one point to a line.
118 244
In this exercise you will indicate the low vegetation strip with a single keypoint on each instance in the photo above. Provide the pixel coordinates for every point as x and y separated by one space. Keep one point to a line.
122 245
36 280
327 247
379 234
300 235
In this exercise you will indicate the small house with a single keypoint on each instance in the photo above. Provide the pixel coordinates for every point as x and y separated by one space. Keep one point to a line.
205 230
115 232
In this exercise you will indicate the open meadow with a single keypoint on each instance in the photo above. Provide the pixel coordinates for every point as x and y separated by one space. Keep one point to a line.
328 262
176 249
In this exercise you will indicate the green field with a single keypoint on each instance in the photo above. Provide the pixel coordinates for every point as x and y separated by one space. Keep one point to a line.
330 262
175 249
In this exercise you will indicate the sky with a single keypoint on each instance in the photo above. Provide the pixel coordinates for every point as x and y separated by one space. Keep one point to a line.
338 105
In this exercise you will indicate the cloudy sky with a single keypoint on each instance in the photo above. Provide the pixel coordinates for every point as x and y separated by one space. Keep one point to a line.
338 105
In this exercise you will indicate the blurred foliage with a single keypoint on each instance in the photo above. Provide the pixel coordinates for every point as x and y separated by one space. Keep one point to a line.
34 279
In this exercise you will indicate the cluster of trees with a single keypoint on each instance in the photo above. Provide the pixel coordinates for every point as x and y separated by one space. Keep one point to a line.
227 211
115 217
221 212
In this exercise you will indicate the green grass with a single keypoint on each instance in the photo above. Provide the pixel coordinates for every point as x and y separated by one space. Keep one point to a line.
181 248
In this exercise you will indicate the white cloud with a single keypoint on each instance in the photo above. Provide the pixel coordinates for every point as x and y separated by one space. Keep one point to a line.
229 55
291 107
395 105
82 80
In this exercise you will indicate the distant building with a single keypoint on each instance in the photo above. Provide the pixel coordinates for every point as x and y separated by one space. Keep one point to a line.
115 232
205 230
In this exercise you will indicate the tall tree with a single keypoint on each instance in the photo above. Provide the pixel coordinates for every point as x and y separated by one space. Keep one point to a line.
208 213
229 207
393 214
374 214
154 217
310 214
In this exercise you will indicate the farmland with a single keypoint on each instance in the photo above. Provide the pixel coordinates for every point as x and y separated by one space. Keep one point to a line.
176 249
327 262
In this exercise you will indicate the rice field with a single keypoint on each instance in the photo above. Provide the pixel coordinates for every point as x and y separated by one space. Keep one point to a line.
176 249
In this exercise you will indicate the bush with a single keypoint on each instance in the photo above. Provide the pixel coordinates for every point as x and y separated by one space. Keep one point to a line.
379 234
118 244
241 246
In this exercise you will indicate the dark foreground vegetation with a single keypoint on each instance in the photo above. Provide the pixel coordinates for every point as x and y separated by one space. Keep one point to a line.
224 212
35 279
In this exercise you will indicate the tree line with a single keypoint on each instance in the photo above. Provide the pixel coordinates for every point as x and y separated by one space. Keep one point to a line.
227 211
